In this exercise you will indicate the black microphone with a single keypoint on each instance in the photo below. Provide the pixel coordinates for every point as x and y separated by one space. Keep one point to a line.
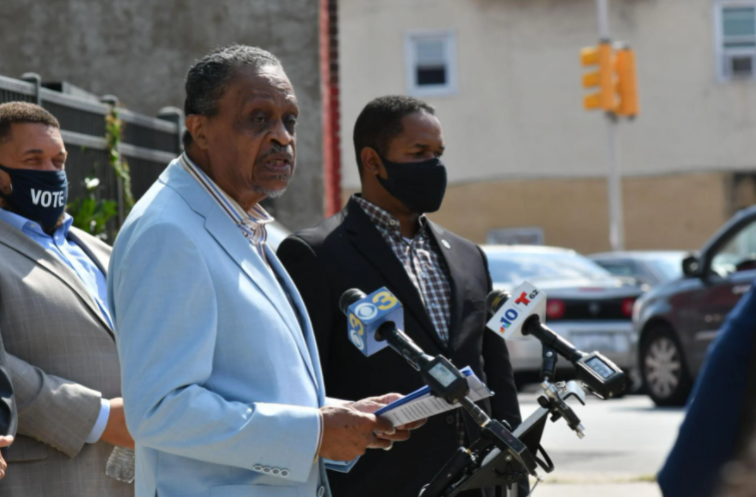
533 326
595 371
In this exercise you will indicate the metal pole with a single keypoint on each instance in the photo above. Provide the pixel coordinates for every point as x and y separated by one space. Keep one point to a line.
614 187
614 178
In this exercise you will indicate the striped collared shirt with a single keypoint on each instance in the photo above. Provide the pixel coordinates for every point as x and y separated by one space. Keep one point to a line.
422 261
251 223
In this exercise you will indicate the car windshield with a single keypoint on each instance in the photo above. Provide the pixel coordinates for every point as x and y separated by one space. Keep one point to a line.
669 267
514 267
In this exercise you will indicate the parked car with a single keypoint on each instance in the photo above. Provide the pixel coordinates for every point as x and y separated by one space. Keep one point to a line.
644 266
676 321
586 304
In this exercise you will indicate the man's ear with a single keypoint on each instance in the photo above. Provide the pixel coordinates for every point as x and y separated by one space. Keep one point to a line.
195 125
371 161
5 184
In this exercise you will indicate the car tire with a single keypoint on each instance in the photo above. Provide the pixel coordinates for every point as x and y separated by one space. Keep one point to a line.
664 373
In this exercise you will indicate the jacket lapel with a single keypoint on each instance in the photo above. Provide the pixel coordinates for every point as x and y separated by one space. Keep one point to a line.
18 241
306 338
457 279
230 239
101 265
368 240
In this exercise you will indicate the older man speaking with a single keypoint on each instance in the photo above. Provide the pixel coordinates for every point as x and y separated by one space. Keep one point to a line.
222 386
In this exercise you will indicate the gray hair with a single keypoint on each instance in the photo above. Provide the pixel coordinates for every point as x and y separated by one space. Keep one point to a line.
208 78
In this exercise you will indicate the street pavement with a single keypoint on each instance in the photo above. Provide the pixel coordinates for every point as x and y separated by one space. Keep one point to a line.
626 442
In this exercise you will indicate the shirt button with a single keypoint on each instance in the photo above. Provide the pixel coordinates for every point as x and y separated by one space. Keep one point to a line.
392 223
451 419
321 491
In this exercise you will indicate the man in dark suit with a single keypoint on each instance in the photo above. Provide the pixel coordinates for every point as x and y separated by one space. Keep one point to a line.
383 238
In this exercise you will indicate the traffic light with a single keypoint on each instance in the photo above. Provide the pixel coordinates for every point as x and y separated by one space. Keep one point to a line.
603 78
627 83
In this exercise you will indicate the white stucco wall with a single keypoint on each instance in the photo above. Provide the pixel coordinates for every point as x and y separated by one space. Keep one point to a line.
518 112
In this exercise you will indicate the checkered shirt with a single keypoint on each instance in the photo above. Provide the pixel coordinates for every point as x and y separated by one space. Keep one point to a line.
423 262
251 223
426 269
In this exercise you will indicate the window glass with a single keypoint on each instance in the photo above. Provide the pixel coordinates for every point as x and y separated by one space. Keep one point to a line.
430 63
618 268
737 31
516 267
738 21
736 253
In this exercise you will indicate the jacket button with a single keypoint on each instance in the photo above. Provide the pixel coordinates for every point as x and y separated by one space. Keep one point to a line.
321 491
451 419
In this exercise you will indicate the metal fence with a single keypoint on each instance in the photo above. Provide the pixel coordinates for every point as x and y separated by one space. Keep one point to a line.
148 144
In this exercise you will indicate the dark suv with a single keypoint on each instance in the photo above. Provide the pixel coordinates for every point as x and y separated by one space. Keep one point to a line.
675 322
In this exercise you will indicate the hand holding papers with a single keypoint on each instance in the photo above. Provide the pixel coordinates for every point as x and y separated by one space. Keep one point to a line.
422 404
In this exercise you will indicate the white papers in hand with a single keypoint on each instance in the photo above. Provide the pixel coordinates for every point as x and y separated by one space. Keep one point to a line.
422 404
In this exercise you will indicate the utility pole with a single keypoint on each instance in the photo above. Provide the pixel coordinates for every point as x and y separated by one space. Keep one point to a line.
614 177
617 96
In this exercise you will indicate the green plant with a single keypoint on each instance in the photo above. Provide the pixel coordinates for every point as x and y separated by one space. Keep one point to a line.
113 131
90 214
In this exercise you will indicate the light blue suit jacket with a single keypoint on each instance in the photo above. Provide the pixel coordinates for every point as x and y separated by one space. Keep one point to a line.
221 386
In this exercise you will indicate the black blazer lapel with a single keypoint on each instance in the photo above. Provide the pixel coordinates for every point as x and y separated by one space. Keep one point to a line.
368 240
457 279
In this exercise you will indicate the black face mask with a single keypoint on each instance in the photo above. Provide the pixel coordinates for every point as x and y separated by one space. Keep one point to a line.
38 196
420 186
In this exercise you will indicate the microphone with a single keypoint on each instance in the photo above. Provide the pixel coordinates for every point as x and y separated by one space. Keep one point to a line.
380 324
441 376
366 313
375 316
526 315
531 323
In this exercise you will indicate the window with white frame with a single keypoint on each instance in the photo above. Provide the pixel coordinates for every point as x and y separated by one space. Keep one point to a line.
431 63
736 39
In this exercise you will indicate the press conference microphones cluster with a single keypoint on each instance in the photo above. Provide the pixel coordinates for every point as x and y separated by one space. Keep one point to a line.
376 321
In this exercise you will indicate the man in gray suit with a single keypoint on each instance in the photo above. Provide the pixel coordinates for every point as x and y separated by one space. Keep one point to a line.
54 322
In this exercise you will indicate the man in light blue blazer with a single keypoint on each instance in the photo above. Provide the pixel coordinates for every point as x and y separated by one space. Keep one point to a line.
222 386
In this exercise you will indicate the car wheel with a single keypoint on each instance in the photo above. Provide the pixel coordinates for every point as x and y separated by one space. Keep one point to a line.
665 376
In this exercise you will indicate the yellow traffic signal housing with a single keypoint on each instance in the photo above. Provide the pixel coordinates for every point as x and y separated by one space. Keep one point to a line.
627 83
603 78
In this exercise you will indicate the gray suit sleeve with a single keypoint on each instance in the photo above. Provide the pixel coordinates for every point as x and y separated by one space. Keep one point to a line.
51 409
8 416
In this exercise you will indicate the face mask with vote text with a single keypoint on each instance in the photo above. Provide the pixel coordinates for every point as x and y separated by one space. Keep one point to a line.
39 196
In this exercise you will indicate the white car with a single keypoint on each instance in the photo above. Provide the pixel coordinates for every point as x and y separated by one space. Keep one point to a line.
585 304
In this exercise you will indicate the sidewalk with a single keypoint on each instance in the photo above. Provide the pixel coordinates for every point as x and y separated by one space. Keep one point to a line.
598 490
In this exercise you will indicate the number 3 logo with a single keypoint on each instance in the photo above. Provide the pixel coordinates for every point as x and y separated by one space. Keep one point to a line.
385 301
356 324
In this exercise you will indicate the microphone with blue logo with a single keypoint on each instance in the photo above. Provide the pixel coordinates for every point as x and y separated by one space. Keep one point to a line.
374 324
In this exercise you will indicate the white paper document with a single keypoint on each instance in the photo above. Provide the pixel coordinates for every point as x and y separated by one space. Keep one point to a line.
423 404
